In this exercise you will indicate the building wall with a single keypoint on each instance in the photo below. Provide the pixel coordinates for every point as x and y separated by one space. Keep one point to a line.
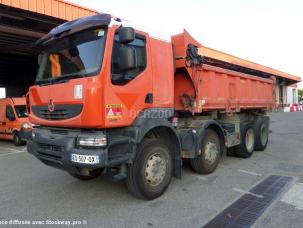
286 95
292 95
281 95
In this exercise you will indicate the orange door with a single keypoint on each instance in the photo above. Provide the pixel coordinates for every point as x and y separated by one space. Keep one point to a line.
2 129
128 93
7 126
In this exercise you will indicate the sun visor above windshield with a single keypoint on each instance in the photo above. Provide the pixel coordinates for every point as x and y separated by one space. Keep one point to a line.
74 26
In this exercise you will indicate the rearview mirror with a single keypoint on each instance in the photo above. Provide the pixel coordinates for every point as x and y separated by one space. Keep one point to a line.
128 59
126 35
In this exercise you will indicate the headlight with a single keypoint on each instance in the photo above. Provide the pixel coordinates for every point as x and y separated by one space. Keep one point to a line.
26 126
92 141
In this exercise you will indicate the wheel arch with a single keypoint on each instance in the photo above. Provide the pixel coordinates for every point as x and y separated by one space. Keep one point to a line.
14 131
169 136
155 123
215 126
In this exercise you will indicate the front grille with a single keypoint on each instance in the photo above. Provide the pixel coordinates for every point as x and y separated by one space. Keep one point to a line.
55 148
61 112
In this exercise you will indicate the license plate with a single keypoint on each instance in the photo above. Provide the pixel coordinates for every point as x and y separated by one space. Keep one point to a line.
85 159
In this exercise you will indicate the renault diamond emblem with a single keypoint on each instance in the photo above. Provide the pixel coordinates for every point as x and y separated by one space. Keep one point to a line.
51 106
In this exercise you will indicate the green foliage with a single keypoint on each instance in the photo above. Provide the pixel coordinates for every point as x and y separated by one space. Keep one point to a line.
300 92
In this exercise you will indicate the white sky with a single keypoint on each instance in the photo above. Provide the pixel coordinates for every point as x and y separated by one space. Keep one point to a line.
2 92
269 32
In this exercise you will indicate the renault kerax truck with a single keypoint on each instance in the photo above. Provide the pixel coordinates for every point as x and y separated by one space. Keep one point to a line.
112 98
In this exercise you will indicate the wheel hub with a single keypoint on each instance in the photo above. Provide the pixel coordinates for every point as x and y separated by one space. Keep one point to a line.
211 152
155 169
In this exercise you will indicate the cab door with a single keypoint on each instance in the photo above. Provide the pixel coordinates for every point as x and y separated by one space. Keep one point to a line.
2 119
128 92
10 122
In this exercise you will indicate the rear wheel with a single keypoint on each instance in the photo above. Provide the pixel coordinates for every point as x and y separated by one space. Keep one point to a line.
246 148
91 174
18 141
262 132
151 172
209 158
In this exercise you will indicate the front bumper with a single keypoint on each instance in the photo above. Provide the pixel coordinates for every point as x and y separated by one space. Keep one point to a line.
55 147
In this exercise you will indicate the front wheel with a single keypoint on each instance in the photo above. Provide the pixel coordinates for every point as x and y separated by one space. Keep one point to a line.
18 141
151 172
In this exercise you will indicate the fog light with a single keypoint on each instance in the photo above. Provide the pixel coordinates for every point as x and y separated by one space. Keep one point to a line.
92 141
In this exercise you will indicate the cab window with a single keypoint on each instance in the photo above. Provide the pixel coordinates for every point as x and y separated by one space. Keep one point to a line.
118 76
21 111
10 113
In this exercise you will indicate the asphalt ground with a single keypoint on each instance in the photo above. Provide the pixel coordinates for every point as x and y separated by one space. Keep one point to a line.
31 192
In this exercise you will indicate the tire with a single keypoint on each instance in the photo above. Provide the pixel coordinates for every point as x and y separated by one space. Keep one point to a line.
92 175
262 133
246 148
153 155
18 141
208 160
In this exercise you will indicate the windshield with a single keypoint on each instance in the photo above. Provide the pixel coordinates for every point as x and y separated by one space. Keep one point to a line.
77 55
21 111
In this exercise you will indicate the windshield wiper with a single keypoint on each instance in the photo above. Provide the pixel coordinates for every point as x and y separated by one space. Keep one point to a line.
61 79
66 78
44 82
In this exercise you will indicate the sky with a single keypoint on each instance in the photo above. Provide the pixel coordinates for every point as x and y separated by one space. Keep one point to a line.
268 32
2 93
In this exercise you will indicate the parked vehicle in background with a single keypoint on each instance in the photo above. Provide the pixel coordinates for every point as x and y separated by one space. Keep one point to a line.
116 98
14 123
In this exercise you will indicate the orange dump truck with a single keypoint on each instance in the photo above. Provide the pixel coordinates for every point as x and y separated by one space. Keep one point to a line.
109 96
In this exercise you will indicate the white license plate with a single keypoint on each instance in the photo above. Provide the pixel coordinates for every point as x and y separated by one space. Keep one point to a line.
85 159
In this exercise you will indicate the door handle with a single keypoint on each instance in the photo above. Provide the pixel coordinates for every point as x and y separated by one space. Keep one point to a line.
149 98
3 123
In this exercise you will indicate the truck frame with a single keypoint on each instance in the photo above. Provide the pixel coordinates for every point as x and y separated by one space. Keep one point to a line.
145 106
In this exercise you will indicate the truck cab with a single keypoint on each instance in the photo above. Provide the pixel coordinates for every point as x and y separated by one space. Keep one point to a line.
14 123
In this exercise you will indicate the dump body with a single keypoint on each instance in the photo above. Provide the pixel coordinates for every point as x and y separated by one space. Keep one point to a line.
225 90
203 87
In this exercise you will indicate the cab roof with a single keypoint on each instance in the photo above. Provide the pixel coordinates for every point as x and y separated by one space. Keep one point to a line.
15 100
74 26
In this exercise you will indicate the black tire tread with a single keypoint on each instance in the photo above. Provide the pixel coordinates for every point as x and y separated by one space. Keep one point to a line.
258 124
240 150
20 142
